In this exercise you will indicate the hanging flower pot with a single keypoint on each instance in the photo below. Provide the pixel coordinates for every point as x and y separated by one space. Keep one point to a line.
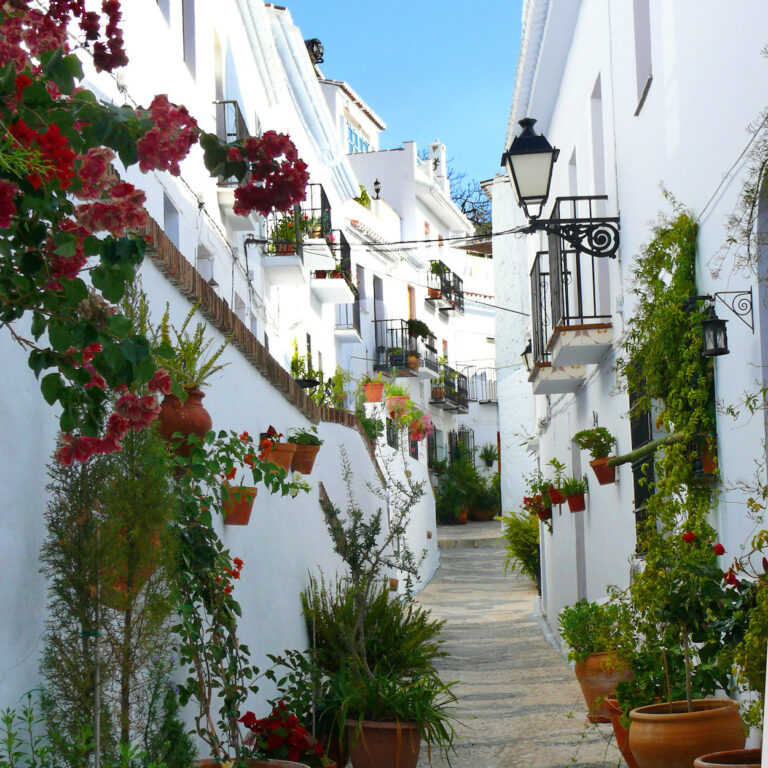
556 496
373 391
576 502
438 393
281 454
320 274
393 582
189 418
304 458
544 513
605 475
238 504
397 405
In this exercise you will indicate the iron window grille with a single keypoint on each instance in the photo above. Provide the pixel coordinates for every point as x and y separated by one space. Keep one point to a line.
413 449
432 449
641 433
392 434
540 320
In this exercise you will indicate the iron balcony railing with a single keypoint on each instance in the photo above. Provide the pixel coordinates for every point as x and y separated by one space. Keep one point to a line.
342 251
394 344
284 233
540 323
429 358
230 123
317 212
579 282
444 288
348 316
471 374
456 389
485 385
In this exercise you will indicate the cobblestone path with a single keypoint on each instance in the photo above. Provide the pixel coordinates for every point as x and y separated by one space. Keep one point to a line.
519 702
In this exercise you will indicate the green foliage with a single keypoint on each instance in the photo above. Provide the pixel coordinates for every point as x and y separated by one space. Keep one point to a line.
488 453
572 486
521 532
392 389
372 378
461 485
418 328
598 441
302 436
168 742
193 363
363 198
401 638
589 628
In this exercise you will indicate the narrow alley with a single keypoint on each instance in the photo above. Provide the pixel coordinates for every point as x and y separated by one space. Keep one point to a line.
519 702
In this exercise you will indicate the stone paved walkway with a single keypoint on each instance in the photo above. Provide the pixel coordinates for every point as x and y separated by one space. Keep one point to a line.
519 702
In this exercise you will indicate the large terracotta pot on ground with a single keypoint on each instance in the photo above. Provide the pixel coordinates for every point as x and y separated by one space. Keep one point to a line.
373 391
383 745
304 458
598 676
735 758
605 475
622 734
663 739
189 417
461 517
238 504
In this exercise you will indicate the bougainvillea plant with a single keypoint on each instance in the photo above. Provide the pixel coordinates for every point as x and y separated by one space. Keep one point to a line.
72 233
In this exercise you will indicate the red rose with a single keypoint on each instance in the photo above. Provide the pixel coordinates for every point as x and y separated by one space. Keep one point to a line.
718 549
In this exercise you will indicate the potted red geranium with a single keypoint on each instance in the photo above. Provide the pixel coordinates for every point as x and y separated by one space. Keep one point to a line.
274 451
281 737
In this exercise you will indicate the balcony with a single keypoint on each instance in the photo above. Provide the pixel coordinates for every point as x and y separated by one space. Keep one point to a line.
485 386
580 296
445 290
546 378
451 391
397 350
230 123
332 286
283 252
319 241
347 326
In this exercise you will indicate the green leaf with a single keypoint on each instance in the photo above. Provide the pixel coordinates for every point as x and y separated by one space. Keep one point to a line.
59 336
52 386
75 290
36 96
120 326
135 349
39 323
111 285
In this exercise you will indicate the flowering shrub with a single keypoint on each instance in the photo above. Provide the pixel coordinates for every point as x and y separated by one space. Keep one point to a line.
422 425
59 143
281 737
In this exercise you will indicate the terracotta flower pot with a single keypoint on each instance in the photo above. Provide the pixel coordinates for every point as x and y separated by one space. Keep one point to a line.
393 582
238 504
434 293
660 739
282 454
622 734
438 393
396 404
383 745
304 458
556 496
544 513
373 391
429 534
414 362
461 518
320 274
576 503
598 676
189 418
736 758
481 515
605 475
209 763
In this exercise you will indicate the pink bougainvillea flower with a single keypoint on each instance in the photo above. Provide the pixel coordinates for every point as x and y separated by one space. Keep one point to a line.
160 382
168 142
8 192
93 173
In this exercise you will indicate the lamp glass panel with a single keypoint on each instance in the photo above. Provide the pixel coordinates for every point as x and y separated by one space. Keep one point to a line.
532 172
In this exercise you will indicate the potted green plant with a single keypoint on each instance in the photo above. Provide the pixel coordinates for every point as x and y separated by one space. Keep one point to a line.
574 490
373 386
489 454
418 329
192 365
399 402
283 236
599 442
590 631
307 445
555 491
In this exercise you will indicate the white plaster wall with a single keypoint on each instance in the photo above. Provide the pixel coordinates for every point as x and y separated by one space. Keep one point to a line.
689 132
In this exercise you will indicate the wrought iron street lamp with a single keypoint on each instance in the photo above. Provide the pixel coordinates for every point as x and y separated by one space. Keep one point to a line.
529 162
377 188
714 339
528 357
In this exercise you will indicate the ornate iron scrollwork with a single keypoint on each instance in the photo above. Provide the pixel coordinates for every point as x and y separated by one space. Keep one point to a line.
740 303
595 237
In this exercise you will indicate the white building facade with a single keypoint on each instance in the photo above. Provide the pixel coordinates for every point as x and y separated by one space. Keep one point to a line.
639 97
241 67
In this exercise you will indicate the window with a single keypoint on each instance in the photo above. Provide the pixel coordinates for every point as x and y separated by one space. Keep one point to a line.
392 441
170 220
642 21
641 432
598 141
356 142
188 33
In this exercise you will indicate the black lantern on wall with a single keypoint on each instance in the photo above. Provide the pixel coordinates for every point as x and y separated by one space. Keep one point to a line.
528 162
377 188
528 357
714 338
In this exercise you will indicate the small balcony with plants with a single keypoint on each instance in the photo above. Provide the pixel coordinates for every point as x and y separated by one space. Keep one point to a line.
403 347
546 378
230 128
450 390
581 332
334 286
445 290
319 239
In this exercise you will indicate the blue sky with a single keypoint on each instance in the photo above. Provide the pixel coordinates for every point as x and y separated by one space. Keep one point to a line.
431 69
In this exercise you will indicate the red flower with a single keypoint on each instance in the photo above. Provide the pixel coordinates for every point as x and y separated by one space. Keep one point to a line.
8 192
729 577
689 537
231 474
169 140
238 562
160 382
718 549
